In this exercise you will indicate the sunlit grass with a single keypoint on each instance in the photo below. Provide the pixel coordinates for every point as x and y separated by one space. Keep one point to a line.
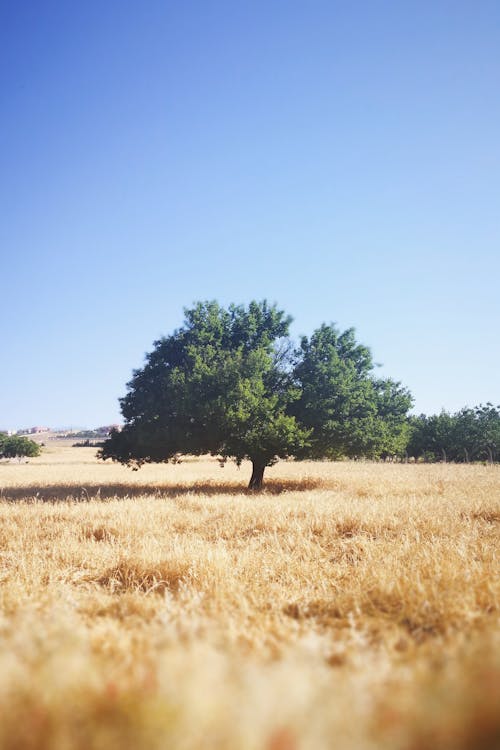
350 605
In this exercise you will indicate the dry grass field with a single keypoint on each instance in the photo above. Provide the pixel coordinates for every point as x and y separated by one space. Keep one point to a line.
352 606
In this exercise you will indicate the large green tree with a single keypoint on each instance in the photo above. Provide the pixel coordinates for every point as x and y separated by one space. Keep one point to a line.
217 385
229 383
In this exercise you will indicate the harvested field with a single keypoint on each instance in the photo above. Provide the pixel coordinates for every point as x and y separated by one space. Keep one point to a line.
350 605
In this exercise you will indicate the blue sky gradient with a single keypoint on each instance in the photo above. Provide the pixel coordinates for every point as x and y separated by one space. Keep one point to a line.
341 159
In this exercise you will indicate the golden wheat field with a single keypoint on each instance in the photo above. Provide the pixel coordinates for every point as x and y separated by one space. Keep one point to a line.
351 605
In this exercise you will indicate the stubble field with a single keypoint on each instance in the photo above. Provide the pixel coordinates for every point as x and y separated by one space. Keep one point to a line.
352 606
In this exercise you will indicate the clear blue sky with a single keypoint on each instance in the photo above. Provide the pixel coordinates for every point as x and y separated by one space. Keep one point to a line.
339 158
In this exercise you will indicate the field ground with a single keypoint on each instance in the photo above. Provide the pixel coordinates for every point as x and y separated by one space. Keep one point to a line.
352 606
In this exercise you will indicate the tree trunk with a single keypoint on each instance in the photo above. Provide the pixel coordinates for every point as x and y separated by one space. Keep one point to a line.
466 455
257 475
443 452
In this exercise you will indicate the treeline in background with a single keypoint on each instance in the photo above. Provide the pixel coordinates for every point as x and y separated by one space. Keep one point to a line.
471 434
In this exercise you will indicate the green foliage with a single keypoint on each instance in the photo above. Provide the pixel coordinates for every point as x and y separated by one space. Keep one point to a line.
229 383
468 435
348 411
15 446
215 386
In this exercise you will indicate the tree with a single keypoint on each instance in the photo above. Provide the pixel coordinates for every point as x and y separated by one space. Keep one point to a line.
488 429
218 385
466 435
15 446
435 437
348 411
229 383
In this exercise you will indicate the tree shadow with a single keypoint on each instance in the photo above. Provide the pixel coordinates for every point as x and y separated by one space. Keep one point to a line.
75 492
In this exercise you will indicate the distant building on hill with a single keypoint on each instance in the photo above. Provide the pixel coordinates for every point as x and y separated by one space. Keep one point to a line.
105 430
33 430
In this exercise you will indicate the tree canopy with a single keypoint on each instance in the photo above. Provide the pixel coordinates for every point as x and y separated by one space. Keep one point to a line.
348 411
17 446
230 383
